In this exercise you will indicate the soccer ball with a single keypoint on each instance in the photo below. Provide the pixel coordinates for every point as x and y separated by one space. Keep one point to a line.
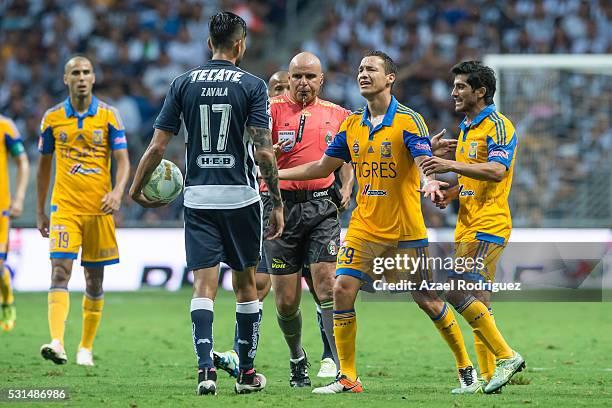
165 184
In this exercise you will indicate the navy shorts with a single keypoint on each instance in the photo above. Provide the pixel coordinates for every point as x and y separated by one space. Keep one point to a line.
231 236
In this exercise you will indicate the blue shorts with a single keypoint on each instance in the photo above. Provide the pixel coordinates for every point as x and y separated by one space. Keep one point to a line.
230 236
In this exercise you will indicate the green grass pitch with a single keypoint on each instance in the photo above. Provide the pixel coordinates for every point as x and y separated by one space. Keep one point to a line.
144 355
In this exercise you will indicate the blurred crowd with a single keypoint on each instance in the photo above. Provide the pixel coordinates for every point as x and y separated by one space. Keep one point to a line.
426 38
138 46
565 147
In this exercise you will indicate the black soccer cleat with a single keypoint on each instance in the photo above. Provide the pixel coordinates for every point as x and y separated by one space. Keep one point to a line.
249 381
299 373
207 382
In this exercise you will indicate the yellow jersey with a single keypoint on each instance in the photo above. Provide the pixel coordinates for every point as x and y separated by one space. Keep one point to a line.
388 203
84 144
11 144
484 213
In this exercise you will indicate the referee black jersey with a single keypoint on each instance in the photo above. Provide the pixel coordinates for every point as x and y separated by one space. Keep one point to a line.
215 102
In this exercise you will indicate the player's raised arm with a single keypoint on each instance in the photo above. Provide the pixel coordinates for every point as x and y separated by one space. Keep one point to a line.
149 161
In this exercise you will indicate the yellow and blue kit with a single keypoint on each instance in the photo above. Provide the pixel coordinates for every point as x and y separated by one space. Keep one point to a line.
12 144
83 146
484 223
388 215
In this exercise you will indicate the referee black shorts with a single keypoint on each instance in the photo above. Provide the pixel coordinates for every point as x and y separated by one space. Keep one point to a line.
311 235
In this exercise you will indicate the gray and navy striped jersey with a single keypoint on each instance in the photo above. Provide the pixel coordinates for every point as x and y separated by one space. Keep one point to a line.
215 102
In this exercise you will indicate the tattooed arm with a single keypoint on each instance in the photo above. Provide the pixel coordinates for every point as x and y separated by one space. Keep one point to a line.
264 155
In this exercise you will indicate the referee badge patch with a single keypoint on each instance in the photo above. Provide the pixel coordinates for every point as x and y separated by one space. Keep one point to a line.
284 135
328 138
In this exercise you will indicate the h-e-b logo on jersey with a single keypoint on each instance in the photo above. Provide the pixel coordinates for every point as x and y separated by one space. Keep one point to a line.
223 161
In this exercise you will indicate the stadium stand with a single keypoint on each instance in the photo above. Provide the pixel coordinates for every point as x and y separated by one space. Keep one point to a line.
138 46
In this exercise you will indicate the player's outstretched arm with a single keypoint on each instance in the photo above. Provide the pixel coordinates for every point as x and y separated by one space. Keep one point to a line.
43 178
321 168
149 161
489 171
112 201
23 173
266 159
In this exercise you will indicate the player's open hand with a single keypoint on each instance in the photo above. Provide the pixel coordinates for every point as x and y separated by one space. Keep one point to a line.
276 223
111 202
16 208
280 146
42 223
442 147
433 190
434 165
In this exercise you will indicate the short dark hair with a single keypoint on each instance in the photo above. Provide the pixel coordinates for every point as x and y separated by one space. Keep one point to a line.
224 28
479 75
390 66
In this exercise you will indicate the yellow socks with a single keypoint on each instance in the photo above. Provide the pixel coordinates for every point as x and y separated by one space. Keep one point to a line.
92 313
345 332
483 325
6 290
59 305
486 359
451 333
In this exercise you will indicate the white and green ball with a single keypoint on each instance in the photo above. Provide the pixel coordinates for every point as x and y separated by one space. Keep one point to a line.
165 184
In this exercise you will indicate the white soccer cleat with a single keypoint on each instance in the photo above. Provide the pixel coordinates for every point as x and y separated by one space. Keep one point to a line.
54 351
84 357
467 377
227 361
328 368
341 385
